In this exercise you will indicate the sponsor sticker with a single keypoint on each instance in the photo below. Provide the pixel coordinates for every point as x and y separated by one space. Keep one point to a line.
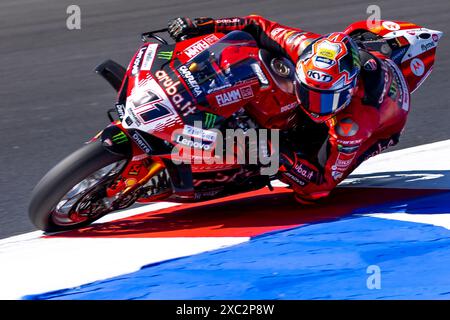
233 96
134 169
304 44
417 67
347 127
278 32
228 97
294 178
378 148
210 120
323 62
289 106
403 99
304 172
119 138
168 83
292 37
149 57
218 88
260 74
385 86
350 142
196 132
328 50
337 175
186 74
228 21
141 142
164 55
246 92
186 141
427 46
391 26
120 107
299 39
128 121
343 161
319 76
137 61
347 149
171 86
199 46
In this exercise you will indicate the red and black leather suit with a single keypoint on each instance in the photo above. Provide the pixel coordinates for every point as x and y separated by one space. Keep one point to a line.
372 121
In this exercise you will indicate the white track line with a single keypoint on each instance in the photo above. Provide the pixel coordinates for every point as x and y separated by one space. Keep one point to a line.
440 220
43 265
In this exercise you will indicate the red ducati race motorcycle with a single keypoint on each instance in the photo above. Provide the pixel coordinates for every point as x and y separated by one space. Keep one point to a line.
223 82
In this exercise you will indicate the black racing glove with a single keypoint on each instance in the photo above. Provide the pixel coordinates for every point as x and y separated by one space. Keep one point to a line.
182 28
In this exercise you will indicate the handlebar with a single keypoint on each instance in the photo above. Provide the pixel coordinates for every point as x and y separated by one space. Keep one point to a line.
146 36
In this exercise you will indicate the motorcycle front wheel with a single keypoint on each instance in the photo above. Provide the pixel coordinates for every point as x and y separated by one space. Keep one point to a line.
73 193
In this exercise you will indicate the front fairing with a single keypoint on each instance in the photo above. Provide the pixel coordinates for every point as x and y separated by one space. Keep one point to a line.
151 90
171 86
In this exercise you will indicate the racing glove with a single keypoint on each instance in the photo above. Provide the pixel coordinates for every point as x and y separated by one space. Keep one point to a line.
303 176
182 28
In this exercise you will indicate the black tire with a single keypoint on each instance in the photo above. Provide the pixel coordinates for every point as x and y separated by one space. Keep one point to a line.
61 179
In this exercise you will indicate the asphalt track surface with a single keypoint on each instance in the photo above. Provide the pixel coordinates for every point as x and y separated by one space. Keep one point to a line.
51 101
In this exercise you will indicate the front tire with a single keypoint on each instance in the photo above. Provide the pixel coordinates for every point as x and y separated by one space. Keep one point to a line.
62 179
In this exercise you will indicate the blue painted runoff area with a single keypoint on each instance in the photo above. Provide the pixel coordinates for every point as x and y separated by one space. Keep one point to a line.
355 258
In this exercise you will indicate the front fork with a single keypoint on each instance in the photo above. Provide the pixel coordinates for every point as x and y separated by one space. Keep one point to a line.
140 168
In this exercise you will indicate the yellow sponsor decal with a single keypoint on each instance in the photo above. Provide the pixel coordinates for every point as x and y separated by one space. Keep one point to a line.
327 53
287 34
130 182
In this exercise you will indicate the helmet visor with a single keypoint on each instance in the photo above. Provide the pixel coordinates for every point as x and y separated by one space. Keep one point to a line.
322 104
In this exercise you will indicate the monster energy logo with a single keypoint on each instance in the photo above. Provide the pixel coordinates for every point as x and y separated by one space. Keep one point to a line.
119 138
355 56
210 120
165 55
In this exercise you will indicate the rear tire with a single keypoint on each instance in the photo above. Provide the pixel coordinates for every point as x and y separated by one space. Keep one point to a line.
61 179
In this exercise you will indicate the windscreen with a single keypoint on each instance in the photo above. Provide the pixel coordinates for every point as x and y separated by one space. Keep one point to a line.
224 64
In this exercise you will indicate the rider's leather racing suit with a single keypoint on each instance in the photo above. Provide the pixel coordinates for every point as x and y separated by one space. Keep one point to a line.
371 123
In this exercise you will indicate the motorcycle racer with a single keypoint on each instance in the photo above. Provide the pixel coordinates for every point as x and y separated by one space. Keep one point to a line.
355 98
